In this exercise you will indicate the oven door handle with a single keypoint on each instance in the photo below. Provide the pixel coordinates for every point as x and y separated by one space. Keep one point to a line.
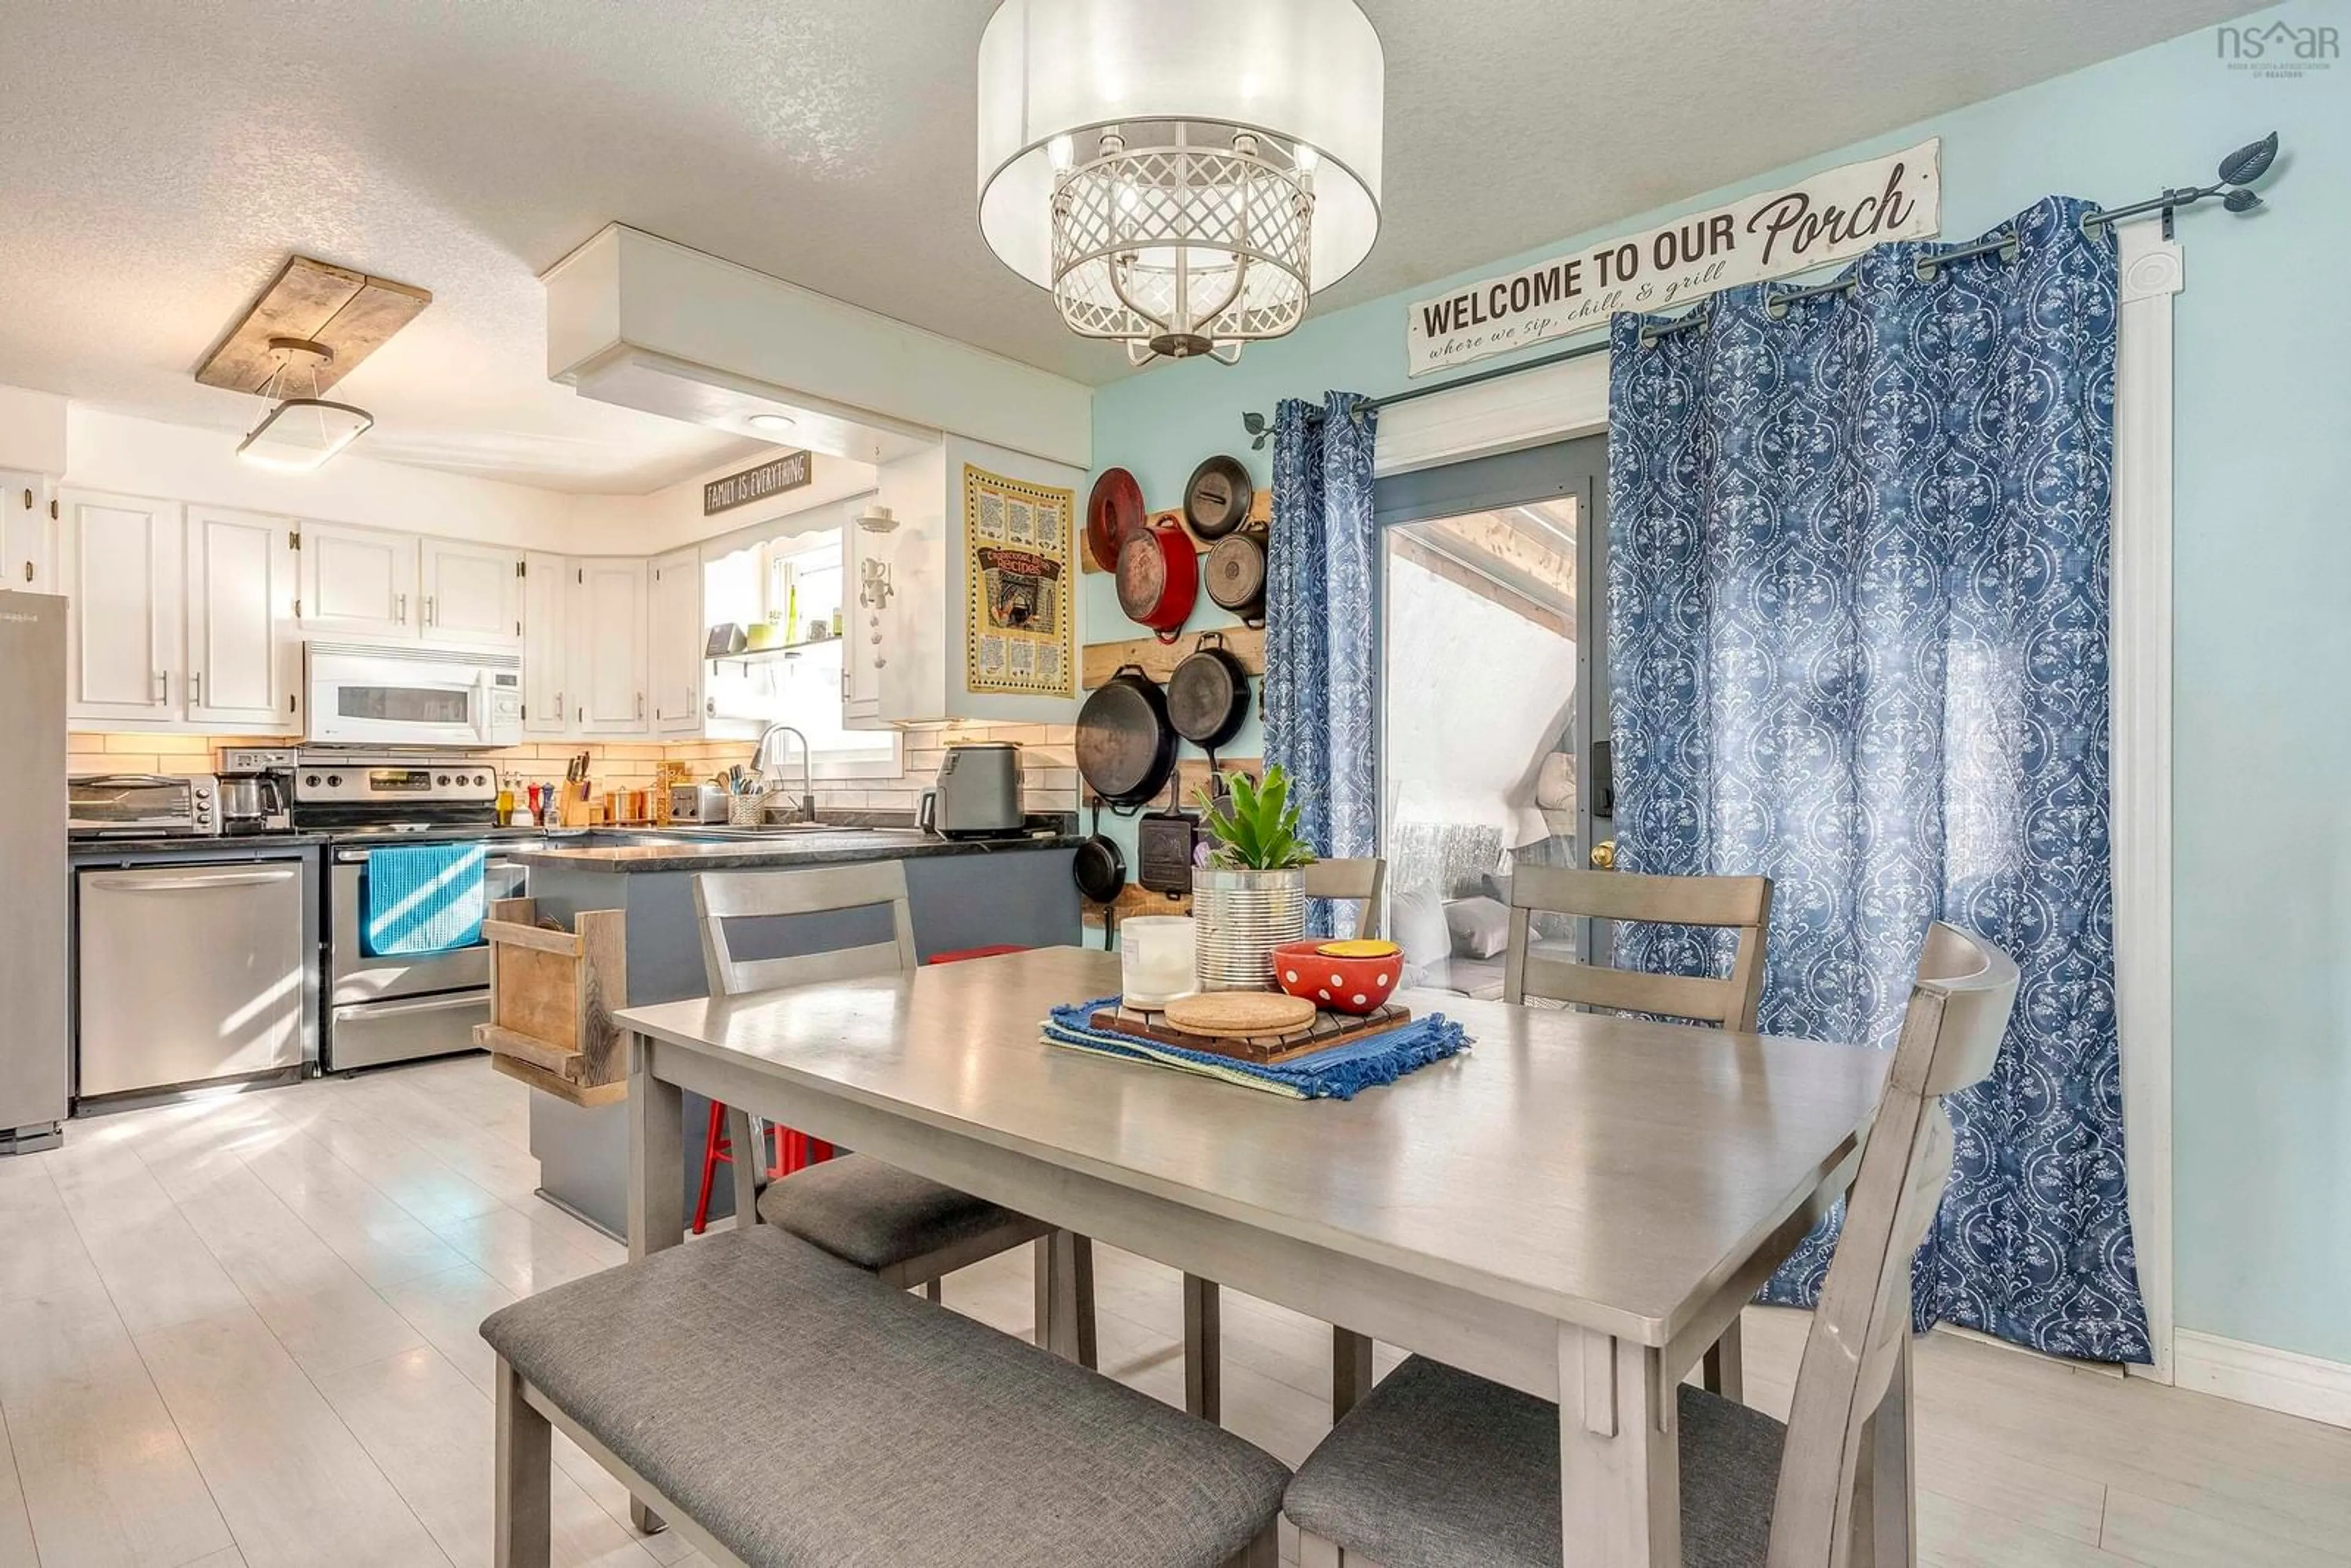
476 1000
359 857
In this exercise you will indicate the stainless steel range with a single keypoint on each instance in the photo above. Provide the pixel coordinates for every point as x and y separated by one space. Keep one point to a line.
385 1007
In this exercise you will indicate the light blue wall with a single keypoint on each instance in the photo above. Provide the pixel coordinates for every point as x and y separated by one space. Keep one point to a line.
2263 918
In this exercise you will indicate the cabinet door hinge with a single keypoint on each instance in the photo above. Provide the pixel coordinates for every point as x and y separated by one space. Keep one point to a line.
28 497
517 628
522 567
294 539
53 508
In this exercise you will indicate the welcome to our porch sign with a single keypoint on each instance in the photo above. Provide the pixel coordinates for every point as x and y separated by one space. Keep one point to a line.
1828 217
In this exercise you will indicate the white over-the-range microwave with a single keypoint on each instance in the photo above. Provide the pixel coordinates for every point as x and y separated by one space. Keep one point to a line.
401 694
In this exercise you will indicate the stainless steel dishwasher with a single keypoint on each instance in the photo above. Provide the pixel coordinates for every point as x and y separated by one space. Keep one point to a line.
189 973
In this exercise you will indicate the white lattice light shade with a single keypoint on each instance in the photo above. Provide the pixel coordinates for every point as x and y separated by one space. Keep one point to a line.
1181 173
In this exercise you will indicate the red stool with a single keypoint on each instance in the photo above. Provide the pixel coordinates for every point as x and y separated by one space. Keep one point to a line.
794 1151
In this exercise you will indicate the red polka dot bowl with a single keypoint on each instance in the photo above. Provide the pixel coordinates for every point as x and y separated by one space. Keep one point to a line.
1342 985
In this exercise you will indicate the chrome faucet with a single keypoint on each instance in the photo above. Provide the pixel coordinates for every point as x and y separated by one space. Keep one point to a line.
808 766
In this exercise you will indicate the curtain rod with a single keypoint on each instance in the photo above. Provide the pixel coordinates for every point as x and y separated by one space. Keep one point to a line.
2238 171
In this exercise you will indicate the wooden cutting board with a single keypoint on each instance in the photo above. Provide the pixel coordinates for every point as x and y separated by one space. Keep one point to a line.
1324 1031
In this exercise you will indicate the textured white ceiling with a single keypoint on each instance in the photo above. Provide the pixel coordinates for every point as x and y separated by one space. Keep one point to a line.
158 159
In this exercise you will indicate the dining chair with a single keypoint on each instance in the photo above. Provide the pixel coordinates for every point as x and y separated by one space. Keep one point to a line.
1439 1467
1362 880
906 1228
1738 904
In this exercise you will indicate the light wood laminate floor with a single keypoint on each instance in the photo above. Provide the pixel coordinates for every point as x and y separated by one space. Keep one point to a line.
243 1332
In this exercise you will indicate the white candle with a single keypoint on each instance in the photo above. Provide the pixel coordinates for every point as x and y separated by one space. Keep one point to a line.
1156 959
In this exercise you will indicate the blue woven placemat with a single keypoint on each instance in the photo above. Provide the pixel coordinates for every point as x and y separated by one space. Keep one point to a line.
1337 1074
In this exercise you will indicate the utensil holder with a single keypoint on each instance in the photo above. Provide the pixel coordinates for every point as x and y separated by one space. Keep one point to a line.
746 811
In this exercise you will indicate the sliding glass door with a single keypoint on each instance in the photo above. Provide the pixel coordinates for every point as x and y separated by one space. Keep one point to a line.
1493 697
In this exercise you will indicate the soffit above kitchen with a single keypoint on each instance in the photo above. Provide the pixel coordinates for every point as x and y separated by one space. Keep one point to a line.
163 161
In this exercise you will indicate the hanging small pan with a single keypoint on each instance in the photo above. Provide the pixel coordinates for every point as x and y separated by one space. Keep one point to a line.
1234 574
1159 578
1099 868
1113 511
1216 498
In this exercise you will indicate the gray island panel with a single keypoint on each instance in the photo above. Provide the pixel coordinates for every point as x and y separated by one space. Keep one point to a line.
960 897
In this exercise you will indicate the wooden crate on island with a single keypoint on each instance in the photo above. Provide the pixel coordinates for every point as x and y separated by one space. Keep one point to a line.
552 996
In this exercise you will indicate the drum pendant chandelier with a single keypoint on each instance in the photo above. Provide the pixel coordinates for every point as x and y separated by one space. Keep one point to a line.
1182 174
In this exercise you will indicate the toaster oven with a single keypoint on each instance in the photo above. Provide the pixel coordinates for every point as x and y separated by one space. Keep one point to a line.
142 805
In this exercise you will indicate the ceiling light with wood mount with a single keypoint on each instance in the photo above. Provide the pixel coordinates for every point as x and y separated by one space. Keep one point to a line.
302 431
1182 174
311 327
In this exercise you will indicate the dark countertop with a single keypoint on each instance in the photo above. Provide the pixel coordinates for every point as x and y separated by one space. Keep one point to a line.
699 851
241 846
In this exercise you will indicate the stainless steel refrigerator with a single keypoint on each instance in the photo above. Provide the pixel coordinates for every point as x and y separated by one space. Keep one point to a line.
34 1054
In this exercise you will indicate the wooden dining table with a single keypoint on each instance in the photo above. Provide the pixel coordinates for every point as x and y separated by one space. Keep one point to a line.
1577 1205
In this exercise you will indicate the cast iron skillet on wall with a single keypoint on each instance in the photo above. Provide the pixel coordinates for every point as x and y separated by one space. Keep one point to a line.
1126 747
1208 694
1126 754
1217 496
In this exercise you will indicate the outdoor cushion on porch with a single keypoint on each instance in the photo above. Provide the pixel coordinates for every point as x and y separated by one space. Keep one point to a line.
802 1412
874 1214
1438 1469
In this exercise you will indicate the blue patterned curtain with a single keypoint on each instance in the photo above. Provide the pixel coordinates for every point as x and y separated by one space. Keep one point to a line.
1320 658
1858 598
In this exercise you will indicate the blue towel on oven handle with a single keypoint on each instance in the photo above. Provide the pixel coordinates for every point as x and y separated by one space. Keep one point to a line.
1338 1073
423 898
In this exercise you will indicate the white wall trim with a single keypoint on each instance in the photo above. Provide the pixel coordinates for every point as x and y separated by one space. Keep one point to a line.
2283 1380
1508 414
2139 644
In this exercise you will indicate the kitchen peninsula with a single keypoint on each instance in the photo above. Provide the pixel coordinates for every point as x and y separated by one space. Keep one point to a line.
962 893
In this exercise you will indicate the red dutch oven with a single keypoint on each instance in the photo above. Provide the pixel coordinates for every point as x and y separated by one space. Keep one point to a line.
1158 578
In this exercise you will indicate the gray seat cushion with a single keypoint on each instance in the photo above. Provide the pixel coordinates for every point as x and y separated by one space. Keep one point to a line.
1441 1469
802 1412
875 1215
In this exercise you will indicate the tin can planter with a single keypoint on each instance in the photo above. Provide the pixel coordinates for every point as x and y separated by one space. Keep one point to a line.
1239 918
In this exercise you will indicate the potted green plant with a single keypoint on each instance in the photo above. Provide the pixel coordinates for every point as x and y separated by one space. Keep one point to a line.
1251 896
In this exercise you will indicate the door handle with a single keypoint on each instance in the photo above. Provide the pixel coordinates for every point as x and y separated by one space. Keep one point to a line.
641 704
1603 855
428 610
194 883
399 607
196 688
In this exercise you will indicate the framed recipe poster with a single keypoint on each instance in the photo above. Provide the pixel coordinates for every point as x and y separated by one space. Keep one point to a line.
1021 624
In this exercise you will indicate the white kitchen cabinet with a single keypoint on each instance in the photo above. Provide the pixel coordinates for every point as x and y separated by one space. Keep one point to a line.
675 640
607 669
243 662
120 567
547 588
471 594
359 581
919 669
27 533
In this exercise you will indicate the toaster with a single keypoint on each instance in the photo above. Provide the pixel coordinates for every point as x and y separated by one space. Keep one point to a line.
978 793
697 804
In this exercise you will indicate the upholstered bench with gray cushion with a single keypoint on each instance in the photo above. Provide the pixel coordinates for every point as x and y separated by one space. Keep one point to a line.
1441 1469
781 1406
